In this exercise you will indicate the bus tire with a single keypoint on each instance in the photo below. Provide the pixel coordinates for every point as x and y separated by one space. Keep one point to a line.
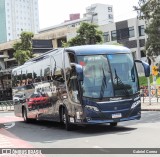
65 119
113 124
25 117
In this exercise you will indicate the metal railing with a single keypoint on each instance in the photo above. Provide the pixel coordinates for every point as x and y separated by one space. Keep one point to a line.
155 94
6 105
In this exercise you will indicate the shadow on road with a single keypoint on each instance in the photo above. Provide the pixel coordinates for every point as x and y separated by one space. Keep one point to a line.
49 132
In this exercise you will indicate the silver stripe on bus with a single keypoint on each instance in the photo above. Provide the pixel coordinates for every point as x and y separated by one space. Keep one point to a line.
113 101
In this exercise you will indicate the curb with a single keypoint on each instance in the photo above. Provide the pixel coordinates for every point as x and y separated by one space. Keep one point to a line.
6 110
150 109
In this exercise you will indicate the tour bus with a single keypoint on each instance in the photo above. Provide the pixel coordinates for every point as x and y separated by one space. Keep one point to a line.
80 85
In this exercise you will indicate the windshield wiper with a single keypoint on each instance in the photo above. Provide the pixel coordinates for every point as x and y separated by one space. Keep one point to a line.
120 84
104 84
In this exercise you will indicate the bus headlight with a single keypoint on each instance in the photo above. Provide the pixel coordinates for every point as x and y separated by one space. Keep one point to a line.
135 104
94 108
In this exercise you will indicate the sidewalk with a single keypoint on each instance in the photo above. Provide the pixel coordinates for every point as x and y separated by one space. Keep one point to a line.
154 106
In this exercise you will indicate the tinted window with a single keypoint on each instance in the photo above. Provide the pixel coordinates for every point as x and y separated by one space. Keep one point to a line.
141 30
113 35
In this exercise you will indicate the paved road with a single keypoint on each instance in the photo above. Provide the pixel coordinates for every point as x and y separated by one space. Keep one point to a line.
144 133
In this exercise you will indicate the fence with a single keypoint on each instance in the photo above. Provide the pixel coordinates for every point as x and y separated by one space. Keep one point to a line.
155 94
6 105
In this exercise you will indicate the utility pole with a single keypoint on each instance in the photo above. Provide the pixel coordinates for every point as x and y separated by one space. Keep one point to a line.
148 80
149 90
93 14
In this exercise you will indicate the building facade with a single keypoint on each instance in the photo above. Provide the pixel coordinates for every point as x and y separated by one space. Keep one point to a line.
18 16
129 33
100 14
62 32
73 17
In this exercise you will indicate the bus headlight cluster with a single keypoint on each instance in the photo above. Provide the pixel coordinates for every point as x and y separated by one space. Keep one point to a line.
135 104
94 108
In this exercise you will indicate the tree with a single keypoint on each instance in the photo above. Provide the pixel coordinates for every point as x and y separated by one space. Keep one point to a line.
87 34
23 48
149 10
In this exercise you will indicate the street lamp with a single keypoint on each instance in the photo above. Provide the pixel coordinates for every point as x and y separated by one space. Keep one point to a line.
92 15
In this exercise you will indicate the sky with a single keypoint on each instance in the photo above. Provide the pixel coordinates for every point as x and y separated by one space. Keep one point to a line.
54 12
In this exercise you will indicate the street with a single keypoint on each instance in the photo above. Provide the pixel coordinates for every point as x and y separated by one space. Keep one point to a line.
144 133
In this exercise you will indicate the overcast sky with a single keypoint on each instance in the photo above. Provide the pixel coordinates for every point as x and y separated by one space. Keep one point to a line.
53 12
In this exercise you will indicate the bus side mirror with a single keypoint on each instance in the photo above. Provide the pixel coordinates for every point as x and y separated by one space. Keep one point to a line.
145 66
79 71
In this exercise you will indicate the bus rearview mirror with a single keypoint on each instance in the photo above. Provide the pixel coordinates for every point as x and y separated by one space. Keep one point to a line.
145 66
79 71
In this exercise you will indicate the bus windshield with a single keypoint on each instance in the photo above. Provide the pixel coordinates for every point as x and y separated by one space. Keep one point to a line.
108 75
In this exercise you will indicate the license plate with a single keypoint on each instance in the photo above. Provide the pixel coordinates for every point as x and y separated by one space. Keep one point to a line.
116 115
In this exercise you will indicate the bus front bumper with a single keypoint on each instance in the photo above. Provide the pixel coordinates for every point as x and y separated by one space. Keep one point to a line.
92 121
100 118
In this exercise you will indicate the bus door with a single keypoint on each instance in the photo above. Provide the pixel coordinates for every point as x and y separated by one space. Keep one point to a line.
73 101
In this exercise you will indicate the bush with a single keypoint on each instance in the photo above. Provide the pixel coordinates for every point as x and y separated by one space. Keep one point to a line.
158 81
143 80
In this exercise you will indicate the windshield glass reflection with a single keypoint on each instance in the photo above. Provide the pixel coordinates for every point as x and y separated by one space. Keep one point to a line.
97 77
124 74
108 75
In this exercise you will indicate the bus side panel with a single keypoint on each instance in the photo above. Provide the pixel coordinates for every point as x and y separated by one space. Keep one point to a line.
17 109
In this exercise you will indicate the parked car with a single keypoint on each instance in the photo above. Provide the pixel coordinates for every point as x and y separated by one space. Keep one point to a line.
19 97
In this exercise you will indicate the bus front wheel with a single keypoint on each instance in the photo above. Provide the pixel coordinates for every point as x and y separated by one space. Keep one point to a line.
65 119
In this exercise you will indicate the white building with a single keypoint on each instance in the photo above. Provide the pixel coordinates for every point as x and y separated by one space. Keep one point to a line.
129 33
17 16
100 14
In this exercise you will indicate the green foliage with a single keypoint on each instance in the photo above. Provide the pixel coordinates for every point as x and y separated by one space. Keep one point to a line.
87 34
22 56
23 48
143 80
149 10
158 81
117 44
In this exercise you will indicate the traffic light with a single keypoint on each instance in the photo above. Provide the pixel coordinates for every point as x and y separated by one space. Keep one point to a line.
154 70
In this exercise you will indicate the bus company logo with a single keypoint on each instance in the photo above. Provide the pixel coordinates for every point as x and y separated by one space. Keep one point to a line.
115 99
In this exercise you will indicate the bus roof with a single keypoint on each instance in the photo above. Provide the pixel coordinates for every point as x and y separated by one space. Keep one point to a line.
98 49
82 50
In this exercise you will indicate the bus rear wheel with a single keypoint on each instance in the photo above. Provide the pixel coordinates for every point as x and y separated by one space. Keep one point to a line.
65 119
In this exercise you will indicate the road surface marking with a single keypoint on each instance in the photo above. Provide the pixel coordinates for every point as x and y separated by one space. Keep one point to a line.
9 125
